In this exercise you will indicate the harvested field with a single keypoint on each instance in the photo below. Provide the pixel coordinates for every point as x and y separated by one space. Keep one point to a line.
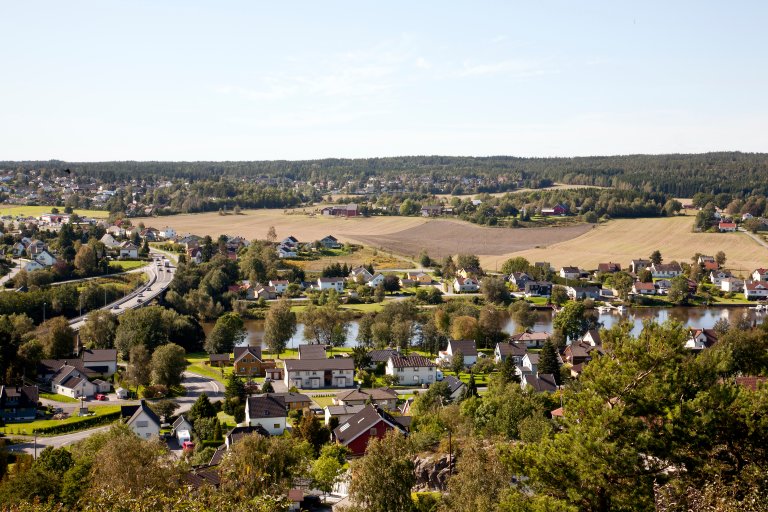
442 237
625 239
253 224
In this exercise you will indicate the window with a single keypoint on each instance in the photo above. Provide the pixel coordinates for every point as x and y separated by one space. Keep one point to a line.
277 425
142 424
372 432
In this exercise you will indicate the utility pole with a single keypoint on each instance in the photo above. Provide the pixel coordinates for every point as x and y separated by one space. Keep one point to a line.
44 304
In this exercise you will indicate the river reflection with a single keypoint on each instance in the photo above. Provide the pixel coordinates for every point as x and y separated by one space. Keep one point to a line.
704 318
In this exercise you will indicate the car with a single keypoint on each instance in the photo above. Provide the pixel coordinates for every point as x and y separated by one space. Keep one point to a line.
115 307
139 300
101 397
141 295
187 445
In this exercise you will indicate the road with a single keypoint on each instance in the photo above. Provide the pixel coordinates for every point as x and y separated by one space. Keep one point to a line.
15 270
193 383
160 278
754 237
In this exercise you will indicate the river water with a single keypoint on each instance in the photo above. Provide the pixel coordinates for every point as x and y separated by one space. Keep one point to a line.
703 318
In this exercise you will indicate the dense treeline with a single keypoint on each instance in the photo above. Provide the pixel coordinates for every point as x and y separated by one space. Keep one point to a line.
680 175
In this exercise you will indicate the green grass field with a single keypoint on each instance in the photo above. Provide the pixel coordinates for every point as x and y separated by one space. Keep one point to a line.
36 211
197 364
58 398
128 264
227 421
323 401
26 428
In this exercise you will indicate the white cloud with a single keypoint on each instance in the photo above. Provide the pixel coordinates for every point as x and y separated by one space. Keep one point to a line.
512 68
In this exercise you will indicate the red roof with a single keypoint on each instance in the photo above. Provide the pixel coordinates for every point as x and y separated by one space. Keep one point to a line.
727 225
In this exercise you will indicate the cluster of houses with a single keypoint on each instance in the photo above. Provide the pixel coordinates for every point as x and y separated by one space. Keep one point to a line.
290 246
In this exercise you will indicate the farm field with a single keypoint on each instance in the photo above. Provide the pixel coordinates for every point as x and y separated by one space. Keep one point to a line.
381 260
625 239
253 224
442 237
35 211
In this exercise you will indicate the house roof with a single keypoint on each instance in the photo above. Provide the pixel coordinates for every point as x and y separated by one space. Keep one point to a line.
511 349
668 267
198 477
639 285
266 406
338 410
411 361
330 279
340 363
218 357
531 336
179 421
382 355
312 351
362 422
609 267
571 270
99 355
366 394
541 382
454 384
755 285
236 434
242 351
136 410
293 398
533 358
751 383
467 347
27 396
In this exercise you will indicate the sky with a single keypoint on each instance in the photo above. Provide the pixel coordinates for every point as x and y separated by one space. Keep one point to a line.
251 80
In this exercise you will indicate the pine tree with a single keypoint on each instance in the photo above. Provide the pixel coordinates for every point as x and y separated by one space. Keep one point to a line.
217 435
471 389
508 371
548 361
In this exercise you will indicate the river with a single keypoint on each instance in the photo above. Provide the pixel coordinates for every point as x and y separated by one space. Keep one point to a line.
704 318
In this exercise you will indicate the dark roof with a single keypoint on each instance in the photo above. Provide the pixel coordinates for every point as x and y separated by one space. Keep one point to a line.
219 454
313 351
342 363
411 361
218 357
751 383
511 349
240 351
179 421
49 366
366 394
266 406
292 398
63 374
198 477
467 347
99 355
139 408
454 384
26 396
541 382
383 355
361 422
237 433
338 410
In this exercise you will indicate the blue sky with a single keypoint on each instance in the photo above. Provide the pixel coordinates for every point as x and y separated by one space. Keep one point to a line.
193 80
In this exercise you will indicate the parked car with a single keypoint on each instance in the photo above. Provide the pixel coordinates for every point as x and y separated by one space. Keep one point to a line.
101 396
139 300
188 445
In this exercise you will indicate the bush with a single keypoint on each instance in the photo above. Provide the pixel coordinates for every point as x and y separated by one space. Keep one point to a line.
155 391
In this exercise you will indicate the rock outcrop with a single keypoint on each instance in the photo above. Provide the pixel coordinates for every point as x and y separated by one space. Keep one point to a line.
432 472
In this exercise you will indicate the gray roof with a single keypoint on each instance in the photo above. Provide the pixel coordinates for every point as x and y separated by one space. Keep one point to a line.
511 349
266 406
292 398
541 382
241 351
341 363
363 421
181 419
100 355
338 410
412 361
366 394
382 356
137 410
454 384
312 351
467 347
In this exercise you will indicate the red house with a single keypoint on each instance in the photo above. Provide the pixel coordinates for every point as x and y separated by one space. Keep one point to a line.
357 431
558 209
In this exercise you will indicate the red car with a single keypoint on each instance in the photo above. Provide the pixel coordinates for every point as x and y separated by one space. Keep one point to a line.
188 445
101 397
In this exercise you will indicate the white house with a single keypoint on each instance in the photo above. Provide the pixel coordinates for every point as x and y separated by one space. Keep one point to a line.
716 276
732 284
320 373
182 430
360 275
455 387
279 285
128 250
465 285
167 232
45 258
413 369
514 350
666 270
760 274
376 280
31 265
570 273
142 420
69 381
530 362
267 411
330 283
109 241
101 361
699 339
755 290
641 288
468 349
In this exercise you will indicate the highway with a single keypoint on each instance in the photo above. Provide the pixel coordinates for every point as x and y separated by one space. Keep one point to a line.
160 278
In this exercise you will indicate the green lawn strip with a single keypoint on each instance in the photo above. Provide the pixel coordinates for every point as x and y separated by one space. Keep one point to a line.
323 401
26 428
58 398
227 421
207 371
128 264
36 211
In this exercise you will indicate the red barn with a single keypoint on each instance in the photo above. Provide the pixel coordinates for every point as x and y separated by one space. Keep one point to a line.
357 431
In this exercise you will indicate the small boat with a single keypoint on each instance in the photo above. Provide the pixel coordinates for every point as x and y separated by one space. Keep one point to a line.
603 309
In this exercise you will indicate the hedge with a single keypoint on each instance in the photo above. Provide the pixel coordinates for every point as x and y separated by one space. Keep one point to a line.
91 421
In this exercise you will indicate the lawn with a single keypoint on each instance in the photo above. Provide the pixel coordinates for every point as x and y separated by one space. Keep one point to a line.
57 398
227 421
323 401
197 364
26 428
36 211
128 264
